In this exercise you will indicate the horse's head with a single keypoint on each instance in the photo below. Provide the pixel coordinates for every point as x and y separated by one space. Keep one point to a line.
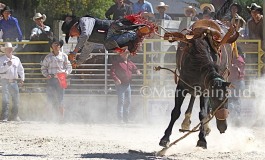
218 99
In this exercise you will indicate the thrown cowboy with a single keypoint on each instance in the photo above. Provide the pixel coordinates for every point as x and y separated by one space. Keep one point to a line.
113 34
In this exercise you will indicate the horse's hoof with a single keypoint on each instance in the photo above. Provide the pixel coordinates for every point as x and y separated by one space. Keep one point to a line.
221 125
164 143
202 144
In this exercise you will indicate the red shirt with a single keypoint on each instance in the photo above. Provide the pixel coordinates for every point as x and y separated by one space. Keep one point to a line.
122 71
237 70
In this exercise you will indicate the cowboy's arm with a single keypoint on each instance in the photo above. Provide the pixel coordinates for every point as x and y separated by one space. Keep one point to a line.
86 25
135 69
20 71
19 33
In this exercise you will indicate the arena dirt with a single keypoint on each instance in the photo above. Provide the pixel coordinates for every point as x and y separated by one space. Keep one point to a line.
41 140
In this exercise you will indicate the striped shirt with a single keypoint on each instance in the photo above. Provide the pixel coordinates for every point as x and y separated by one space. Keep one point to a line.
13 71
52 64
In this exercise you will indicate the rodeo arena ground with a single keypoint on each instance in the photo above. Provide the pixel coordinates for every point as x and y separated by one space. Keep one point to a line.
90 128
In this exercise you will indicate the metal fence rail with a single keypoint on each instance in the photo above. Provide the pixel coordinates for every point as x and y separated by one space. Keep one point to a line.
94 78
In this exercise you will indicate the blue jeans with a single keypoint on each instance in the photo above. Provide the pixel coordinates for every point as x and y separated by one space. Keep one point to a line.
9 89
123 38
234 102
55 93
124 101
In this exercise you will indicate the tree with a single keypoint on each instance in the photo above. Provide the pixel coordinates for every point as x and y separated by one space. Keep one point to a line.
24 10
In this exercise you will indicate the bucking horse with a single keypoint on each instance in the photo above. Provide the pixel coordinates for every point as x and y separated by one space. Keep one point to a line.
198 54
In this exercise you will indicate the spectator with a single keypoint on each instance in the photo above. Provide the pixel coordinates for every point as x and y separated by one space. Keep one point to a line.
207 6
190 15
118 10
255 24
236 19
54 63
236 77
11 73
10 27
2 6
207 11
142 6
121 72
161 8
190 11
40 32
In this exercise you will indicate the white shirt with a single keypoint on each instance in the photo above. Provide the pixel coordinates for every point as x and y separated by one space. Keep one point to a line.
36 31
11 72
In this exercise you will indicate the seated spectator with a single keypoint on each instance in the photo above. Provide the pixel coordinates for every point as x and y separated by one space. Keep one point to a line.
10 27
161 8
40 31
118 10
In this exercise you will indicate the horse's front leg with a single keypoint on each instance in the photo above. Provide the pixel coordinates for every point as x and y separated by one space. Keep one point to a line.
179 97
203 114
185 125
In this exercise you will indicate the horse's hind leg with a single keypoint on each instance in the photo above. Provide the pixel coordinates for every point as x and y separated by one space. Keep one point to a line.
185 125
179 97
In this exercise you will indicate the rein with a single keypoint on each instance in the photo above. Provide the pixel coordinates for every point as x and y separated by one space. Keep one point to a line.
158 68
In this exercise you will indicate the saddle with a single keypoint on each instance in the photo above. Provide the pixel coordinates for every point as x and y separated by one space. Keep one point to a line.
208 28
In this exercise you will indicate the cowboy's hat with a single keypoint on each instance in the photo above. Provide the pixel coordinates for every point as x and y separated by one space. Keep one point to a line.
66 27
6 8
39 15
239 8
210 6
162 4
255 7
7 45
190 9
